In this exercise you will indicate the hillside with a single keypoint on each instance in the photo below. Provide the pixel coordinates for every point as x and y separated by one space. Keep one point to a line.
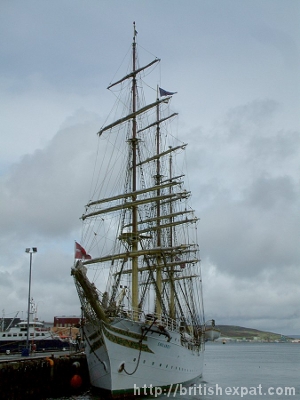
240 332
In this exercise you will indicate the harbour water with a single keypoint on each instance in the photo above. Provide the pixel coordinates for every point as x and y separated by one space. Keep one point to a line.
242 371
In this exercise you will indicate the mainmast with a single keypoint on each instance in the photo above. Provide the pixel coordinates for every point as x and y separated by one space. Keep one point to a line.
134 287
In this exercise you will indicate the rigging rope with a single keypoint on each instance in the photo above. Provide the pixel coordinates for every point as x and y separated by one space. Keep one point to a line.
140 351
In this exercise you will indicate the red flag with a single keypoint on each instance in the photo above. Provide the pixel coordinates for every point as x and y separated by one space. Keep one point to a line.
80 253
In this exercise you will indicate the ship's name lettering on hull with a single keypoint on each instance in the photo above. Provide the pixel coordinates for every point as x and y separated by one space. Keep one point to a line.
167 346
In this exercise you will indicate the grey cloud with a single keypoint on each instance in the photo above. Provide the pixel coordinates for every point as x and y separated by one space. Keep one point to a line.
243 167
46 189
245 240
245 171
250 302
268 193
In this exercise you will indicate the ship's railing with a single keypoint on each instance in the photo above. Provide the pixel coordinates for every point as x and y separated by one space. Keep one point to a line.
150 317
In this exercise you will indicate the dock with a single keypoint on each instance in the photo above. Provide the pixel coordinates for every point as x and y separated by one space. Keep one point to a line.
44 375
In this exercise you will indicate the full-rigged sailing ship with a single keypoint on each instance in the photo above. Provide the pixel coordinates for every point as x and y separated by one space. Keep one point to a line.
145 328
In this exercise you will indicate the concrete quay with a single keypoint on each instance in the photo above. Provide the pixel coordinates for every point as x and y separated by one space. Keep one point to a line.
42 375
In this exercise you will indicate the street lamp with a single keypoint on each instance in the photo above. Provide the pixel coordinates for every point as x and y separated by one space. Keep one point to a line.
29 250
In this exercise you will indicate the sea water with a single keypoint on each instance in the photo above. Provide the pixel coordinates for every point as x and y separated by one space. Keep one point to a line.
241 371
252 371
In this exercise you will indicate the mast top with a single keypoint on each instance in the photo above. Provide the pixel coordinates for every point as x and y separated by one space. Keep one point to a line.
135 32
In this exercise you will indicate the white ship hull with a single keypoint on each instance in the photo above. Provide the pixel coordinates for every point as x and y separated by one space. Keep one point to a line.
118 366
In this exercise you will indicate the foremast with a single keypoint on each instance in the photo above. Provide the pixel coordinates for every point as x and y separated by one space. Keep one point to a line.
134 206
135 234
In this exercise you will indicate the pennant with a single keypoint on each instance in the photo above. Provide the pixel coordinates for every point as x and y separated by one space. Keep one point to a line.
163 92
80 253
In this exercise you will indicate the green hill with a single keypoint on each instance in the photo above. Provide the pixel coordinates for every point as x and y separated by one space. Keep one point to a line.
240 332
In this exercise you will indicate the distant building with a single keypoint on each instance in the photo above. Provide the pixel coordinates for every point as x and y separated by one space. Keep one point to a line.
66 326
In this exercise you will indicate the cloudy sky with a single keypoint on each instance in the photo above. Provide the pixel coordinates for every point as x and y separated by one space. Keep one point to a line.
235 65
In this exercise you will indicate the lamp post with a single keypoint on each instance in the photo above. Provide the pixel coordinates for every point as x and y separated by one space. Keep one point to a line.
29 250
